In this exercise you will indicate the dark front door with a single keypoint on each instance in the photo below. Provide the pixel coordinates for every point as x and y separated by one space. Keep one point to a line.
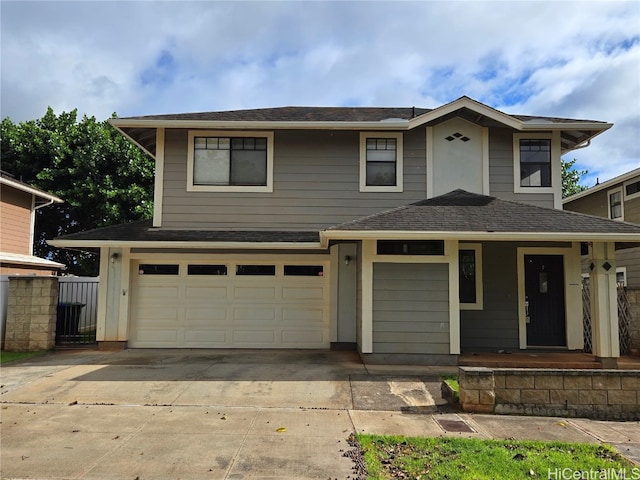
544 302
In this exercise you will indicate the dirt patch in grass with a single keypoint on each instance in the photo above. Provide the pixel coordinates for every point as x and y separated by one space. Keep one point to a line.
388 457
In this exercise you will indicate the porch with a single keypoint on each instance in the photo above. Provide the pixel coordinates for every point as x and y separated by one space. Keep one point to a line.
555 360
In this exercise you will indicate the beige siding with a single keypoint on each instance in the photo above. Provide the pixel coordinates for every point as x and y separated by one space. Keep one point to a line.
501 171
15 211
630 259
594 204
316 184
632 210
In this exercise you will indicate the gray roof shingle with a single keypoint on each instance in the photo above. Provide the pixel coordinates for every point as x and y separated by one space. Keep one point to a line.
461 211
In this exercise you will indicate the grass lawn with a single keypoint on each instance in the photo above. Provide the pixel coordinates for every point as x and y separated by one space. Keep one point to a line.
6 357
388 457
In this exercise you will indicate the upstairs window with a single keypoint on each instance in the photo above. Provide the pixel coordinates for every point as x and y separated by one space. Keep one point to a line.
616 209
380 162
535 162
220 161
632 188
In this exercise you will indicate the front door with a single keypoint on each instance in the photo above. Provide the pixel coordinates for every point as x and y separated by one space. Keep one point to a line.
544 302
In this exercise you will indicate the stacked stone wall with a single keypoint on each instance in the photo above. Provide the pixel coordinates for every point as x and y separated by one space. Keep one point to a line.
31 314
599 394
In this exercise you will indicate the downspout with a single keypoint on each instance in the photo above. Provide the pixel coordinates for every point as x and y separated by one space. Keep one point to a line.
32 230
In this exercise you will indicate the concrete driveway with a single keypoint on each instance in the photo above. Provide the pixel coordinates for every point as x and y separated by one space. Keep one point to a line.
190 414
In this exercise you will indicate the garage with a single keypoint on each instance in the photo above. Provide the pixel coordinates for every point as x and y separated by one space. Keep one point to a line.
248 302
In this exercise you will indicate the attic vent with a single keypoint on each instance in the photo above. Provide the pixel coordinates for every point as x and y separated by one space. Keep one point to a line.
457 136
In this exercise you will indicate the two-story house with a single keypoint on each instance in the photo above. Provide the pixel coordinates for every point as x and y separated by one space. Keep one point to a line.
617 199
18 205
410 234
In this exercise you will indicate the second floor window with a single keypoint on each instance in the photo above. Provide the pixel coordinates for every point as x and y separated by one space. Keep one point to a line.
535 162
381 162
229 161
615 204
225 161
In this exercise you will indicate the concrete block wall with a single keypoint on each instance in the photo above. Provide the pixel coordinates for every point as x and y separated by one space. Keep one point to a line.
31 314
598 394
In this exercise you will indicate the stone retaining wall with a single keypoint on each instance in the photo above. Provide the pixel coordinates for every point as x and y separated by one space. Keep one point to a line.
31 314
599 394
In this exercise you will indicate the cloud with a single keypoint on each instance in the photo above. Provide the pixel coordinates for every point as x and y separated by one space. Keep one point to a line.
575 59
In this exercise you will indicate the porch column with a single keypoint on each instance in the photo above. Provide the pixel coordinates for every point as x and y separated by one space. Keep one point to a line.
604 303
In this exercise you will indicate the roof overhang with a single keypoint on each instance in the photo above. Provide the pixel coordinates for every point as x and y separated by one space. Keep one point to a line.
28 260
327 235
142 131
603 186
42 197
186 245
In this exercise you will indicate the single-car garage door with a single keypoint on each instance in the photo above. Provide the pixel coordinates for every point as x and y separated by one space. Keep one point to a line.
246 303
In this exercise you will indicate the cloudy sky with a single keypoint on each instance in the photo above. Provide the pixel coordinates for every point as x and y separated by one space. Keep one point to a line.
547 58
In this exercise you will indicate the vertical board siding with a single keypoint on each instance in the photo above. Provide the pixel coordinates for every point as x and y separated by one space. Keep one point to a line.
501 171
495 327
315 185
410 308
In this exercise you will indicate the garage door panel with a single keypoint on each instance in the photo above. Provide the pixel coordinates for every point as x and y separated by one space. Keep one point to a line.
205 337
264 313
301 337
226 311
168 336
157 315
306 316
254 337
204 316
206 293
157 291
308 293
249 293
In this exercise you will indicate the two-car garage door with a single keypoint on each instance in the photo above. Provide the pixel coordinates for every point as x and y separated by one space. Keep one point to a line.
244 303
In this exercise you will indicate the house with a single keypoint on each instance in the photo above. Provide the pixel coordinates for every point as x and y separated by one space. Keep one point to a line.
617 199
410 234
18 205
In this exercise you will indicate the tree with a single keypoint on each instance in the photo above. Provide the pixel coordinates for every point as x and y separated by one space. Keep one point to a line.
102 178
571 178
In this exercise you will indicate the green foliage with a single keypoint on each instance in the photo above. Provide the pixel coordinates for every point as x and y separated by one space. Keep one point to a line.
6 357
102 177
388 457
571 178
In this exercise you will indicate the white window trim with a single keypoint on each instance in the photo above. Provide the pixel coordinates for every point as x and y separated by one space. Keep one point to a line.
624 189
363 162
479 303
611 192
622 270
229 188
556 170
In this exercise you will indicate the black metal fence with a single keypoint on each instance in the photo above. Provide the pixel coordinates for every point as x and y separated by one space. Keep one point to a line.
77 312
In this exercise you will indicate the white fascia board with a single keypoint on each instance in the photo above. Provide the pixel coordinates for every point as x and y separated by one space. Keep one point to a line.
20 259
178 244
603 186
325 236
266 125
599 126
33 191
465 102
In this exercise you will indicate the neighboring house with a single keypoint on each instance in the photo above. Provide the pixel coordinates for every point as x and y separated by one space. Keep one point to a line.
410 234
18 205
617 199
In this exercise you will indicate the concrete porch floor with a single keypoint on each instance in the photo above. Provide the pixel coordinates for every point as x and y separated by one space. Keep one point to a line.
572 360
